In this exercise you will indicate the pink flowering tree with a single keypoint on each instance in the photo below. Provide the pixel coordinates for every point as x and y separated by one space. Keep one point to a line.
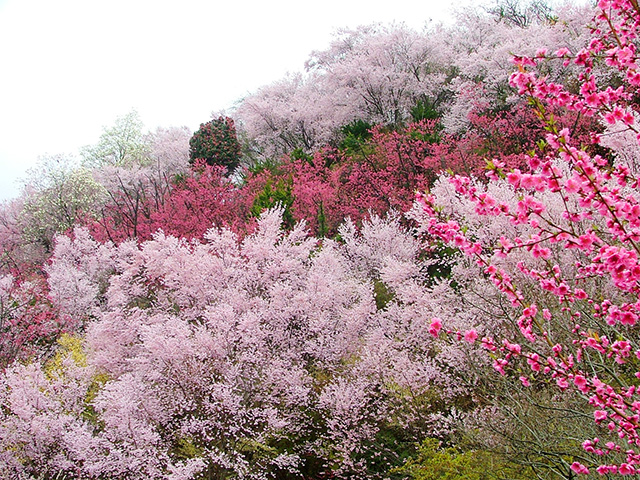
382 72
137 189
29 323
564 260
198 201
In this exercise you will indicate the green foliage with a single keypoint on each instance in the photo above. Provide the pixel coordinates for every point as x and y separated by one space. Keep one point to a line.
434 462
383 294
273 196
359 129
123 144
185 448
355 137
299 154
70 353
424 110
180 179
70 347
257 452
264 165
392 447
441 259
323 229
216 143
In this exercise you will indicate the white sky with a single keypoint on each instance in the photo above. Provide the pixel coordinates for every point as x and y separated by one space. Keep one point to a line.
68 68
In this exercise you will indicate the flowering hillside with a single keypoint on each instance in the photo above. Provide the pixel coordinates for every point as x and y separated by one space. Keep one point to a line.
418 259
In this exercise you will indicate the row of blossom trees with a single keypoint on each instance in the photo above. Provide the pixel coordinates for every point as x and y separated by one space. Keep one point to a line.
388 74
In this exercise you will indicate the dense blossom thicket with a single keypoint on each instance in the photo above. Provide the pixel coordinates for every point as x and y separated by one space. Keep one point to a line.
309 316
269 356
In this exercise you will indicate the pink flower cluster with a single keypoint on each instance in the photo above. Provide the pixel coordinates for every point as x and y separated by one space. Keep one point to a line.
599 218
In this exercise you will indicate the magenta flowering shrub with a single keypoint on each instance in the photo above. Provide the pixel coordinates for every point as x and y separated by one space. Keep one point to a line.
29 322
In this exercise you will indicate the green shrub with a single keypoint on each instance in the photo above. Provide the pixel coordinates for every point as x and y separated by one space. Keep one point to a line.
216 143
434 462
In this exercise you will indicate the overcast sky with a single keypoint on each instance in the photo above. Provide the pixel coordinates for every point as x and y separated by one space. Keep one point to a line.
68 68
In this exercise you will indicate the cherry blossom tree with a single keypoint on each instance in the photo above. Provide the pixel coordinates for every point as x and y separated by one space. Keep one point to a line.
136 191
383 72
296 112
483 47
